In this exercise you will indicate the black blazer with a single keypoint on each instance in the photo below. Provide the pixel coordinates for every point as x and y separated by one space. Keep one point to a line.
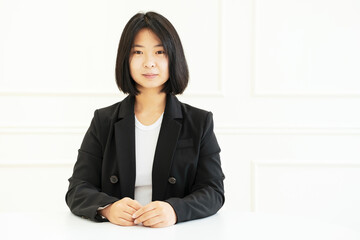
186 170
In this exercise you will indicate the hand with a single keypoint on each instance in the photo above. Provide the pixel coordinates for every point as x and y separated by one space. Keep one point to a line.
155 214
120 212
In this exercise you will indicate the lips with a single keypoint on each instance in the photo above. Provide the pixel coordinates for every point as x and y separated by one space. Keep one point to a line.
150 75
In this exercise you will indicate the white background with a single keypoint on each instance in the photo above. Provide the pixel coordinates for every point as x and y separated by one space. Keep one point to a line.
281 77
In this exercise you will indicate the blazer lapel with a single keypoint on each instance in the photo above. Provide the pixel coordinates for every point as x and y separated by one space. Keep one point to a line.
166 145
125 147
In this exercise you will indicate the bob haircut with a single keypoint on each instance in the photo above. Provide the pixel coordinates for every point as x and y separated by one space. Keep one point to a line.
178 69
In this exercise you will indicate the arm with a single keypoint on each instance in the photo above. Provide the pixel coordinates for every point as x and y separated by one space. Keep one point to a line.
207 193
84 195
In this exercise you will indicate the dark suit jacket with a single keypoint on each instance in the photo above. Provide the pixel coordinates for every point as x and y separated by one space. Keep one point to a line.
186 170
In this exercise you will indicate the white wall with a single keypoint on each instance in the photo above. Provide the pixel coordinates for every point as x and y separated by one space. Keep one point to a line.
280 76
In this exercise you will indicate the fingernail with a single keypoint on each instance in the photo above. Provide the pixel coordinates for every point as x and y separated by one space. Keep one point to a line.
136 222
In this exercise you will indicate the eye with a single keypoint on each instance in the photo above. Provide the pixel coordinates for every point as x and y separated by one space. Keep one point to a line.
160 52
137 52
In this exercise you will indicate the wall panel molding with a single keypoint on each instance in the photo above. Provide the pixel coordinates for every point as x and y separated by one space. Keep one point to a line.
216 92
50 93
306 163
263 130
257 94
220 129
23 164
311 61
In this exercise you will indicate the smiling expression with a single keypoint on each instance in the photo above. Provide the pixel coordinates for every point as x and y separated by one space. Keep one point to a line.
149 64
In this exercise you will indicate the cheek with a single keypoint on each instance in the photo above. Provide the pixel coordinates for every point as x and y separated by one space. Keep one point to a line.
134 66
165 66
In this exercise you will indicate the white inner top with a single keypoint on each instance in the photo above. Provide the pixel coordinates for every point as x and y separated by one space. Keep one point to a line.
145 144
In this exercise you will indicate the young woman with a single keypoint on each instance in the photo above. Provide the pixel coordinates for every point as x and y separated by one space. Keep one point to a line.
148 159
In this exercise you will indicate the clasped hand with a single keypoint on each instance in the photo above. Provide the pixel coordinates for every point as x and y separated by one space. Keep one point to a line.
129 212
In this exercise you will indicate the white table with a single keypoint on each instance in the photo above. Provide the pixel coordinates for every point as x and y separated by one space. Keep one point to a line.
224 225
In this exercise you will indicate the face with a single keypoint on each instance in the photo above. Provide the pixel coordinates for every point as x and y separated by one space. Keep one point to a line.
149 64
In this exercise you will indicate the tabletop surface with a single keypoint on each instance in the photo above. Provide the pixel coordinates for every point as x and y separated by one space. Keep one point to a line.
226 224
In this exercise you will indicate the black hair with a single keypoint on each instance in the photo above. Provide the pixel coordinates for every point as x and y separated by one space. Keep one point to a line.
165 31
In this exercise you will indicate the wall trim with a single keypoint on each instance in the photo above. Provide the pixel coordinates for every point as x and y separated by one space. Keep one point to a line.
254 166
36 165
109 94
274 94
263 130
220 129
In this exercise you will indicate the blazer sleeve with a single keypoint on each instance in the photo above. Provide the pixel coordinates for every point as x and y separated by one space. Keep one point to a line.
84 196
207 192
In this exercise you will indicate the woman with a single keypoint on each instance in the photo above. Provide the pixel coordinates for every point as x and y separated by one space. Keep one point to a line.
148 159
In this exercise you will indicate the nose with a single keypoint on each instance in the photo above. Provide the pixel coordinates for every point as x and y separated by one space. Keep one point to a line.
149 62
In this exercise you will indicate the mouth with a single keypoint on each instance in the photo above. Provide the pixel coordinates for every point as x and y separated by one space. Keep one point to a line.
150 75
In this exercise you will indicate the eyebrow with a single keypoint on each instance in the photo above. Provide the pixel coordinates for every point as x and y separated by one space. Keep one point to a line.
141 46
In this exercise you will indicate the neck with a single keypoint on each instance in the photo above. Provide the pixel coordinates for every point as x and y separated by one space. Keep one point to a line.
147 102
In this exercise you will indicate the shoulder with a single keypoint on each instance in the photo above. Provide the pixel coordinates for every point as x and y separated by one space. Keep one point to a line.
105 117
107 114
195 113
199 119
116 110
199 124
109 111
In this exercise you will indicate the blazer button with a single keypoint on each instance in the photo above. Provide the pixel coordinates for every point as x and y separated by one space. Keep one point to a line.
114 179
172 180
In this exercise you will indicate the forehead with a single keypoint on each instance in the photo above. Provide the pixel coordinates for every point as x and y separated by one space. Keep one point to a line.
145 35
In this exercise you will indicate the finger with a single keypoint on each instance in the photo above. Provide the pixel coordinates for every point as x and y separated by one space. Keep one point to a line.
159 225
129 210
134 204
146 216
123 208
144 209
123 222
126 216
152 221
